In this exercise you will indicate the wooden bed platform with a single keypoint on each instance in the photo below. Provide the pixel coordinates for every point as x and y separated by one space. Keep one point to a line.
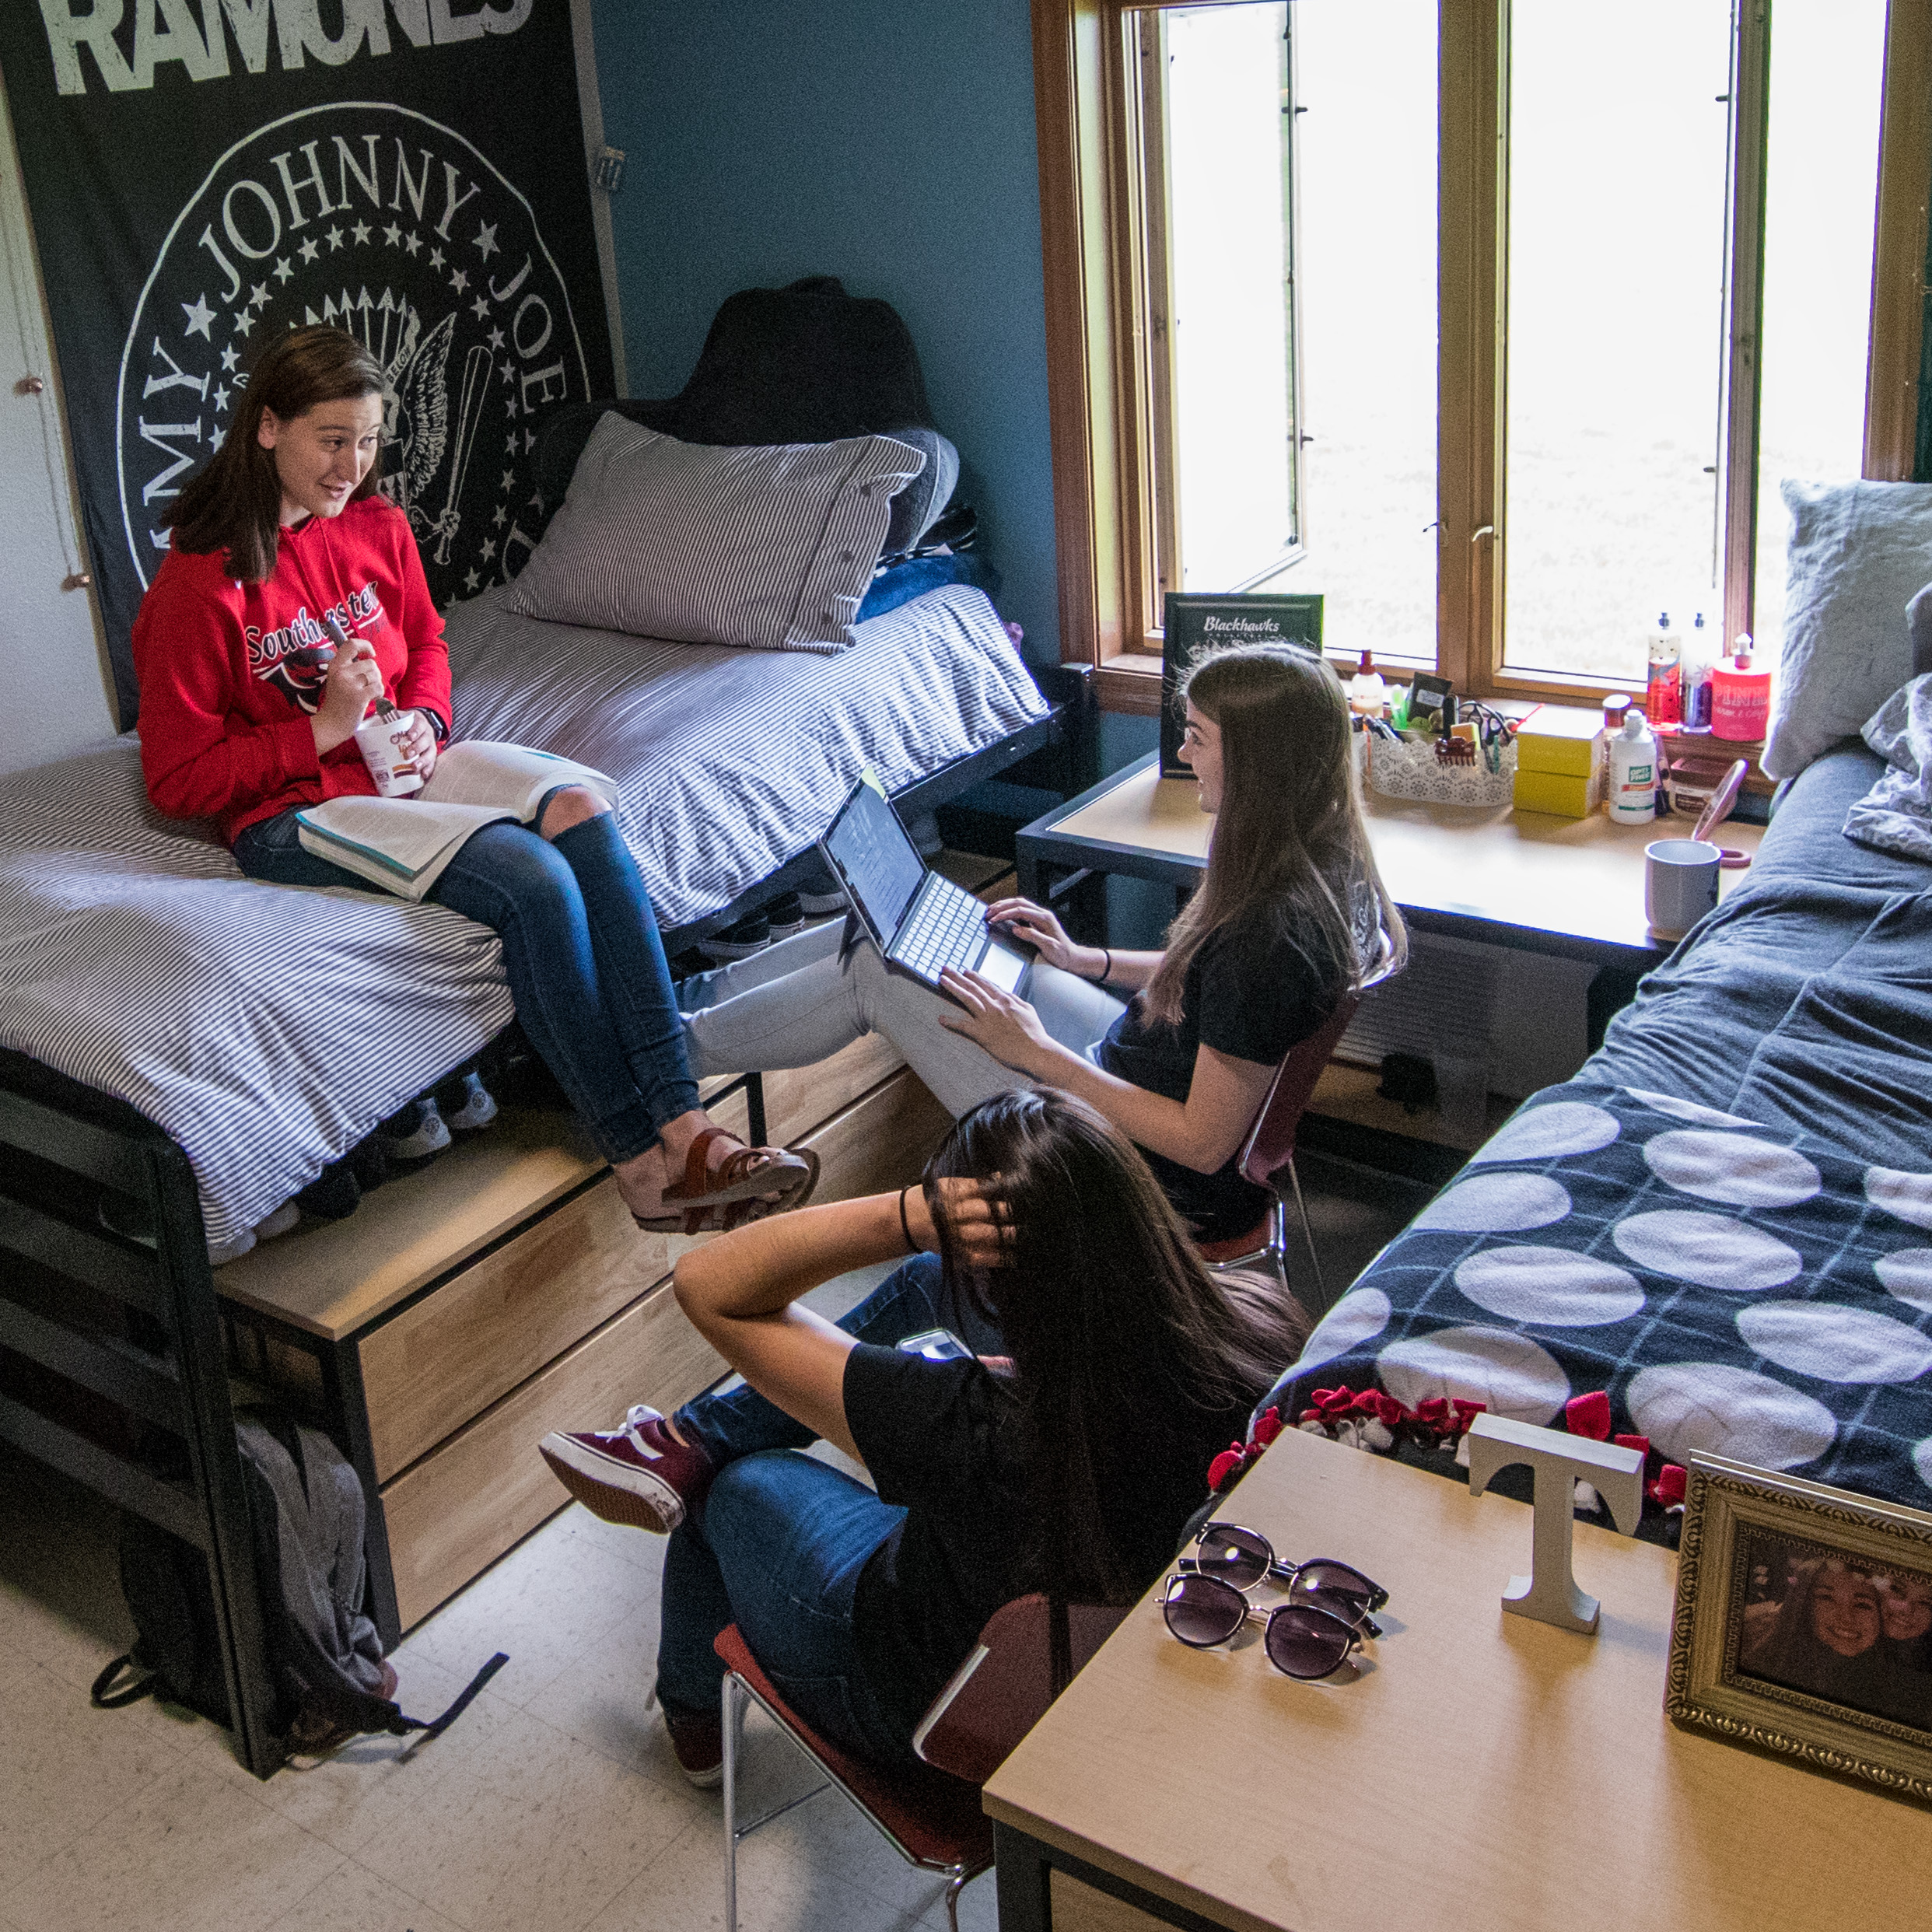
443 1328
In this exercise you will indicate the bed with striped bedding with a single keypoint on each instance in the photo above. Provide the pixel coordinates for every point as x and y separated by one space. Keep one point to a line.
730 761
269 1028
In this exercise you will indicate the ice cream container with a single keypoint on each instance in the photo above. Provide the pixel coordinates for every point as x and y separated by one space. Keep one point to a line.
381 738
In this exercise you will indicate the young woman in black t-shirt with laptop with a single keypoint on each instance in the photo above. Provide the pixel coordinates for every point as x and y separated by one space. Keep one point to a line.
1291 914
1065 1452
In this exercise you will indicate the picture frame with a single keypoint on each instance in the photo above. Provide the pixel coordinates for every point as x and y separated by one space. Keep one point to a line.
1194 621
1797 1623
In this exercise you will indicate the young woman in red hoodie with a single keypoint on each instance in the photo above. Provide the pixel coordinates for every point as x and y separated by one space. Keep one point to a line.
248 714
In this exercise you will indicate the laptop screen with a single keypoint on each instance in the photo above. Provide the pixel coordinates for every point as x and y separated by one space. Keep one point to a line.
882 866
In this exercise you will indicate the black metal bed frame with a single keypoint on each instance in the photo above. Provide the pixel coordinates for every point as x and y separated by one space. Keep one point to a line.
89 1318
112 1362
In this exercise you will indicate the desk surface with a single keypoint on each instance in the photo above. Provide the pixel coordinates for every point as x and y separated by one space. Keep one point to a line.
1500 874
1487 1770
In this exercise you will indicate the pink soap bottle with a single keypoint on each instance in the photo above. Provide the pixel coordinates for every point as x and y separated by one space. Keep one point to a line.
1740 697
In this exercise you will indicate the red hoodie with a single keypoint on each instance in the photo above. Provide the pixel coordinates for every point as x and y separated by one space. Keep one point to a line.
228 670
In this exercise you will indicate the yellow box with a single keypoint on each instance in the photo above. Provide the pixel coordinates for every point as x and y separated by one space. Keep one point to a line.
1558 739
1561 793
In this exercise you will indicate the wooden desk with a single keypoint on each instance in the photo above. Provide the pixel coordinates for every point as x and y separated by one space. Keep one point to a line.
1572 887
1486 1771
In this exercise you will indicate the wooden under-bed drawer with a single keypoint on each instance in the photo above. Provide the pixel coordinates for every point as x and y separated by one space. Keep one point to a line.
459 1509
462 1505
449 1355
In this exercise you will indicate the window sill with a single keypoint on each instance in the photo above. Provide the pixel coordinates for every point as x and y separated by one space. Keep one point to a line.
1130 682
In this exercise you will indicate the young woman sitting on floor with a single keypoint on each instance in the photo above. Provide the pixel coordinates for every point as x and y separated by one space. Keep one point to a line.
1292 914
1064 1454
244 719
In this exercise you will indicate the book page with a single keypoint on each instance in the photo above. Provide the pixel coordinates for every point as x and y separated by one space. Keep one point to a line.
511 777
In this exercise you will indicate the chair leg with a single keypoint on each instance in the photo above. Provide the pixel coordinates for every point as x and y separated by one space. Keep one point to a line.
960 1880
1307 1233
734 1699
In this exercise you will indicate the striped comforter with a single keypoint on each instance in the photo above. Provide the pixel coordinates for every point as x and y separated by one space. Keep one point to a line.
269 1028
729 762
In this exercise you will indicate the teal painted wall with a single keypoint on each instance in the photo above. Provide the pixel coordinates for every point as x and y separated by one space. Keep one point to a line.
888 142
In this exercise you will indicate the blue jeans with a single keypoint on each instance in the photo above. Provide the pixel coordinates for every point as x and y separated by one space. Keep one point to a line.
777 1544
581 949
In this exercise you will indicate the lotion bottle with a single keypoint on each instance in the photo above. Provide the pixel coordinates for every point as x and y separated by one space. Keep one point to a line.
1663 698
1634 772
1367 692
1699 661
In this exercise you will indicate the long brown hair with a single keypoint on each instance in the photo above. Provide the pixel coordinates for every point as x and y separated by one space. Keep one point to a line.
235 504
1115 1325
1290 845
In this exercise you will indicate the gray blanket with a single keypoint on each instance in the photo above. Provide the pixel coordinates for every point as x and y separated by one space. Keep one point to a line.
1895 815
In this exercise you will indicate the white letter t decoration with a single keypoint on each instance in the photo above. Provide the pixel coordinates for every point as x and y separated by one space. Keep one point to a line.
1559 1461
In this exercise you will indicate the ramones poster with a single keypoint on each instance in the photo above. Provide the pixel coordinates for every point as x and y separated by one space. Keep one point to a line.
206 174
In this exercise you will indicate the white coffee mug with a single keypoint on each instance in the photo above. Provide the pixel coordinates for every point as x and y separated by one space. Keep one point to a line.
1680 883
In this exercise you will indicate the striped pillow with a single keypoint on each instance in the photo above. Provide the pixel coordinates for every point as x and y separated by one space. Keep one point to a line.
770 547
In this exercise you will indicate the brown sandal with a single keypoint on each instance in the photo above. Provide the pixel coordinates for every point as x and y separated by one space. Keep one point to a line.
709 1203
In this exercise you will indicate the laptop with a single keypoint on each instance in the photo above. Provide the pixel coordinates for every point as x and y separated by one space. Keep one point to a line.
921 922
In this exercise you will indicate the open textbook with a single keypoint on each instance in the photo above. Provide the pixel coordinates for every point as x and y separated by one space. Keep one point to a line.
403 844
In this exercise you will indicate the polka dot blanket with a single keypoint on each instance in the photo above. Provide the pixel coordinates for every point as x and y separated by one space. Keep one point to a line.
1750 1291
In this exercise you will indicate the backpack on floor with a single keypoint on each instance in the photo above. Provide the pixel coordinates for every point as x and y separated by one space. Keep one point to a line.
306 1514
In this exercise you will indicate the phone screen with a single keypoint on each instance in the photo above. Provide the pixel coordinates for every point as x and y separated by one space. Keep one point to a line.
937 1345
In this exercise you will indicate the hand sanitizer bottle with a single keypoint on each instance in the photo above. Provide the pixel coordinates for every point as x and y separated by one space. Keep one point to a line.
1634 772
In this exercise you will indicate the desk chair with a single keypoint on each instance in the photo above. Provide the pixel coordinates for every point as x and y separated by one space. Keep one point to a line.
1269 1151
930 1816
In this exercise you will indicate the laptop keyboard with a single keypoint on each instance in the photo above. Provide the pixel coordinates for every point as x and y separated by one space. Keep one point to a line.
946 929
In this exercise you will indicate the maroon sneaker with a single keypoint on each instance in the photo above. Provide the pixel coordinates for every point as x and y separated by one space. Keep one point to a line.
640 1474
699 1742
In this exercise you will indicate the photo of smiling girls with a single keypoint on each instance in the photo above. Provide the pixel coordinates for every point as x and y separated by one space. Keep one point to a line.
1847 1632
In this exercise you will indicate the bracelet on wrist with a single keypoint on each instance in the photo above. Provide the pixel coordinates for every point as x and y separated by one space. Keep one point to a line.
905 1226
1107 970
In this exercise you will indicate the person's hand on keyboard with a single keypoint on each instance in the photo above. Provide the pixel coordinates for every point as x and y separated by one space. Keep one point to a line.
1001 1022
1040 929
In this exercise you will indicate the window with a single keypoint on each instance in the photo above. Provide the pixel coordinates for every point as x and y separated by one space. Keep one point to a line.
1450 310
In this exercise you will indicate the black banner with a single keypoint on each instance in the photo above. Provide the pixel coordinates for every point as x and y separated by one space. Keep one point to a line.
204 174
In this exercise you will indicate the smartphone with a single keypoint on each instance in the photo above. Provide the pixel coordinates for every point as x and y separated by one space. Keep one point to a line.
937 1345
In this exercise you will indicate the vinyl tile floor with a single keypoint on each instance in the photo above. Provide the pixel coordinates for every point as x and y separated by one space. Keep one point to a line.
554 1803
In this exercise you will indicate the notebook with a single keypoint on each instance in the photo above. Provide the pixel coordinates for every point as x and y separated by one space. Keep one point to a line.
921 922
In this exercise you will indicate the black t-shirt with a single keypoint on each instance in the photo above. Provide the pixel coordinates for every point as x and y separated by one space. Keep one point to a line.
941 1440
1246 995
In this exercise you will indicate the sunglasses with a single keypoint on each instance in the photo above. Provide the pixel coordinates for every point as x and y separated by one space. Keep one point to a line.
1301 1640
1311 1635
1243 1557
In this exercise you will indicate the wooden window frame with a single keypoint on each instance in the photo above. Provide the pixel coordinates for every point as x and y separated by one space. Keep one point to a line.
1110 421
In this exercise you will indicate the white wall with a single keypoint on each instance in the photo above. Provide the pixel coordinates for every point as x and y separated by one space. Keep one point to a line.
55 683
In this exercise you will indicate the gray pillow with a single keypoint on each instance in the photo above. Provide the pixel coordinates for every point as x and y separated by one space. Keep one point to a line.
1919 627
769 547
1859 552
